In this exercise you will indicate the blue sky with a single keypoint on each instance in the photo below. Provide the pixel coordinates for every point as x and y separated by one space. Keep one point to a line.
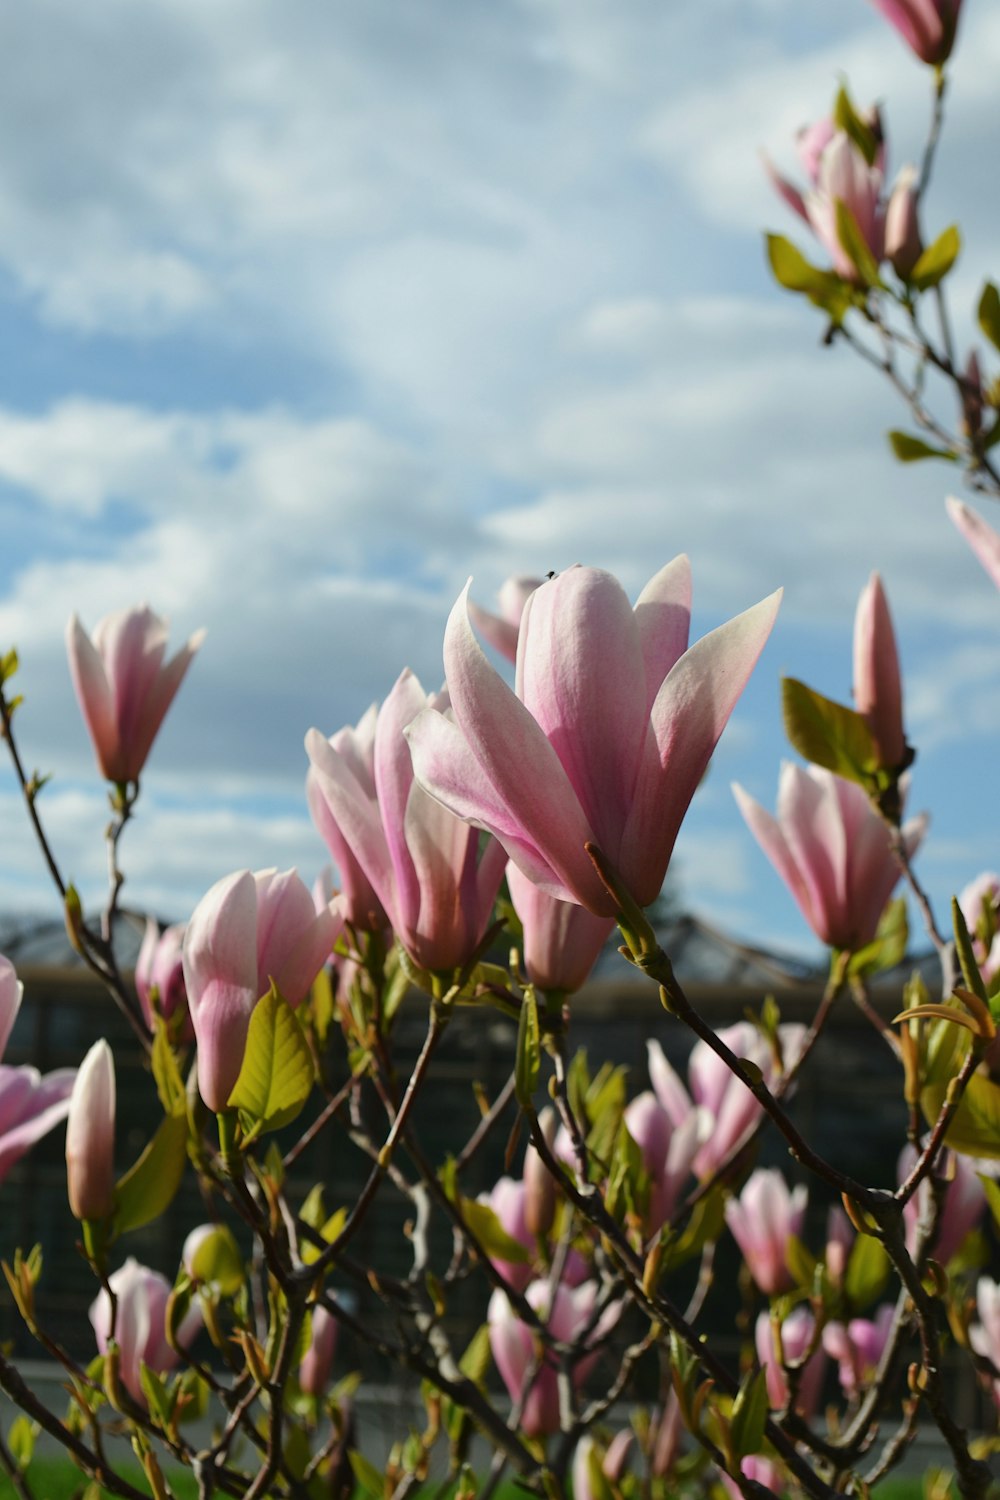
309 311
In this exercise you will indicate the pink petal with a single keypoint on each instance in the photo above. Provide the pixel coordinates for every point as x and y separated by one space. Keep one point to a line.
94 696
690 712
357 816
663 616
767 831
981 537
11 992
393 780
161 695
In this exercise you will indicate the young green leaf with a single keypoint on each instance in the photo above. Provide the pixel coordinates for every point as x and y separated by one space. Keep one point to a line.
148 1187
827 733
937 260
989 314
529 1049
911 450
749 1415
276 1078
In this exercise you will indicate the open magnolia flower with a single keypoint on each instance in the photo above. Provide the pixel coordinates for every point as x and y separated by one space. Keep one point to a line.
30 1104
606 736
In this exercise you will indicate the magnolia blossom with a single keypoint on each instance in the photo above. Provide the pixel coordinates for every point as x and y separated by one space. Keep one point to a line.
124 686
760 1469
961 1209
315 1364
501 630
984 1336
247 931
424 863
90 1136
980 904
356 747
729 1111
140 1324
160 967
30 1104
838 173
762 1220
878 689
832 850
858 1346
777 1349
981 537
604 739
592 1463
566 1312
927 26
562 941
903 245
507 1201
668 1146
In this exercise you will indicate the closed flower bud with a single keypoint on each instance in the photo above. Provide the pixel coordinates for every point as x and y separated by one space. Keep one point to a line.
903 245
90 1136
539 1184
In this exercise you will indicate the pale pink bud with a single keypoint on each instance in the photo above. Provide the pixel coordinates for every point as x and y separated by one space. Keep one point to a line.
972 394
123 686
667 1431
775 1352
903 245
961 1208
507 1201
762 1220
878 690
247 931
140 1329
927 26
839 1242
981 537
605 737
562 941
858 1347
668 1151
90 1136
760 1469
539 1185
501 630
984 1336
316 1363
160 966
832 850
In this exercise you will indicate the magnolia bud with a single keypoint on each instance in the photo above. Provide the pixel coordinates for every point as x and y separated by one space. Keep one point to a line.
90 1136
539 1184
903 245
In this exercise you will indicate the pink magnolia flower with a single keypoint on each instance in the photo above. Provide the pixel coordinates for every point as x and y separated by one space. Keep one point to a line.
592 1463
984 1336
356 747
315 1364
981 537
606 737
668 1147
140 1329
878 689
501 630
562 941
423 863
927 26
247 931
777 1351
832 850
961 1210
980 904
90 1136
729 1110
858 1347
539 1184
840 1236
507 1201
762 1220
838 172
160 966
903 245
30 1105
763 1470
566 1312
123 685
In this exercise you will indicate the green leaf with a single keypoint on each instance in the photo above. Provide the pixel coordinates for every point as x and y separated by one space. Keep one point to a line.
628 1180
749 1415
217 1261
529 1049
8 665
21 1440
989 314
992 1190
366 1474
966 952
800 1262
825 289
888 947
937 260
975 1130
846 118
166 1073
276 1078
854 244
161 1407
476 1360
148 1187
867 1272
490 1233
911 450
705 1224
828 734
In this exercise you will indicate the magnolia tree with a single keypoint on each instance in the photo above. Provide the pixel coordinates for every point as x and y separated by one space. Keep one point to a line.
535 819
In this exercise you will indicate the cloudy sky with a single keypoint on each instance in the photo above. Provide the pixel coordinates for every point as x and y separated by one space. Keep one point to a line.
309 311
